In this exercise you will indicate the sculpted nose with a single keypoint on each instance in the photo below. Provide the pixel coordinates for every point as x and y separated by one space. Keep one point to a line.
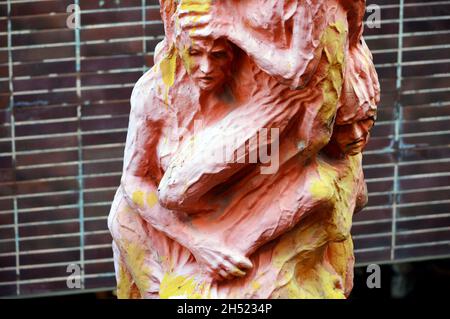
358 132
205 65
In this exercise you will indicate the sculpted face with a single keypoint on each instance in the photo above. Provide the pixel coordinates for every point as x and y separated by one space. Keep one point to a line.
351 138
209 62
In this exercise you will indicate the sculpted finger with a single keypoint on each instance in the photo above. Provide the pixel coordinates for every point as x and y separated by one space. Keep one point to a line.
241 262
194 21
213 274
232 269
201 32
188 3
183 11
213 270
224 274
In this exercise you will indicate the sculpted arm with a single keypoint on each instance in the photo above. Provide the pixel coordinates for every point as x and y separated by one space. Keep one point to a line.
197 168
279 205
294 62
139 179
291 60
141 172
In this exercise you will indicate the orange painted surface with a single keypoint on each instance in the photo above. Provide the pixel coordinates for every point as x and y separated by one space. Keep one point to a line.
246 224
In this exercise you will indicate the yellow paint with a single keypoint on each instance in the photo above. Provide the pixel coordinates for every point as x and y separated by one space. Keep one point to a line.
138 198
340 255
314 283
300 254
200 6
179 286
192 32
334 43
135 260
299 243
168 68
124 283
339 190
334 40
255 285
341 215
152 199
186 59
330 99
303 272
323 188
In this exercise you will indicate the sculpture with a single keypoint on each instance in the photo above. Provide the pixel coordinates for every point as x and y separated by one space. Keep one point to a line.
298 83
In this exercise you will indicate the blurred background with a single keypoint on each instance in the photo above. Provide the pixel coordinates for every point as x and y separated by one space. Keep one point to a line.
64 102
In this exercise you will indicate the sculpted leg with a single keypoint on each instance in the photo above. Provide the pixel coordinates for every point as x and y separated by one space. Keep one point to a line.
137 266
126 287
341 258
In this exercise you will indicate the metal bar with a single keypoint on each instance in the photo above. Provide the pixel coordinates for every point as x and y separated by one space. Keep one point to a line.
13 147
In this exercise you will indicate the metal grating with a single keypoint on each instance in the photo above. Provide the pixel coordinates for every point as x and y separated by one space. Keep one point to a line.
64 103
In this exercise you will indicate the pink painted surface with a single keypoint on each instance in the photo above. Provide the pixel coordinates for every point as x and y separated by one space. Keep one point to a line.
187 226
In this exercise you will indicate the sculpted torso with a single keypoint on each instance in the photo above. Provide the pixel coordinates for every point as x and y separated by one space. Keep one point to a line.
250 225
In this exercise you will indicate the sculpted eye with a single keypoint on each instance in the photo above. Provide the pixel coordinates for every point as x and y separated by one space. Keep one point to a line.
194 52
369 122
220 55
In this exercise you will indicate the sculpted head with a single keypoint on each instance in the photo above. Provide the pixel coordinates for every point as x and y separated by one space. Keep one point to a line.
357 107
208 62
351 136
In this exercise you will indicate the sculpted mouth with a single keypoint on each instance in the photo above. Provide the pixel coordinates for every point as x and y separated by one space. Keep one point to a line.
206 79
355 146
358 142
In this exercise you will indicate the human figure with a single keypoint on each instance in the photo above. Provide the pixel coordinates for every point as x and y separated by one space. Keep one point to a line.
156 245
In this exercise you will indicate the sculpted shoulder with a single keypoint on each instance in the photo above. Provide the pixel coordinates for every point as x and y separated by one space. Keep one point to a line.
147 98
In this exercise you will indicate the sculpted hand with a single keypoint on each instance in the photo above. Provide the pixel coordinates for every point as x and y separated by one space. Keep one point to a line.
218 261
201 20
